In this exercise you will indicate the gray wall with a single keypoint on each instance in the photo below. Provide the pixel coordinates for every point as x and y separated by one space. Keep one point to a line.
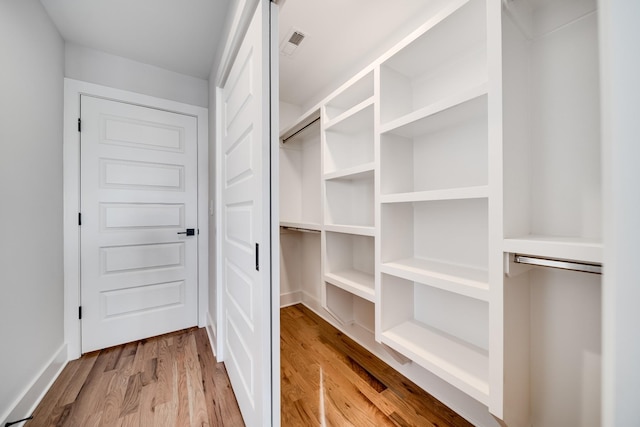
31 281
94 66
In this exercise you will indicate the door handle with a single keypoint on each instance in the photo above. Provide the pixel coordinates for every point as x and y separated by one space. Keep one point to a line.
189 232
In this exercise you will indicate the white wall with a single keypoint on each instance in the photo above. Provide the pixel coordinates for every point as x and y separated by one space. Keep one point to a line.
289 114
94 66
621 286
31 282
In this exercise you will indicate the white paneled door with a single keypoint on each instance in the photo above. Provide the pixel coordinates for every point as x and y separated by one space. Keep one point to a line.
245 212
138 224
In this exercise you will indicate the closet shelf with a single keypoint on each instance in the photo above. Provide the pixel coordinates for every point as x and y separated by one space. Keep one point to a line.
357 172
336 122
477 192
353 281
303 225
461 364
444 113
462 280
349 95
351 229
569 248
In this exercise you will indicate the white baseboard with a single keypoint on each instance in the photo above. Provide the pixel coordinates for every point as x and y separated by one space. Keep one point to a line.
24 405
212 334
290 298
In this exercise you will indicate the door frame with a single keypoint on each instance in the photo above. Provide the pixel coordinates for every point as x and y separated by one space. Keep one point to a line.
73 89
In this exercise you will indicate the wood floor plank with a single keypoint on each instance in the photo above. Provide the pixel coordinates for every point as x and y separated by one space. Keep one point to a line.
171 380
356 388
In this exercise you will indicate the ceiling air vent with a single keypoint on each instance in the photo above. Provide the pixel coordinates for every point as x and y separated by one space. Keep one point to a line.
291 42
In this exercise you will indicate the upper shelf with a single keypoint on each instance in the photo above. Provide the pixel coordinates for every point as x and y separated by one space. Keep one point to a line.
441 61
350 97
443 113
467 281
478 192
569 248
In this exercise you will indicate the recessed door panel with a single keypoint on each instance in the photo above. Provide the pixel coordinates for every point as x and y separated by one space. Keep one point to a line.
138 192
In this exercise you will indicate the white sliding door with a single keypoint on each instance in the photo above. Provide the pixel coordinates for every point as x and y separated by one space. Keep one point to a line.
245 267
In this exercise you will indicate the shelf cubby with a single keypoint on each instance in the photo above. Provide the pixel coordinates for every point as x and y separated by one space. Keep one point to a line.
349 309
349 141
350 97
443 243
444 150
349 263
350 200
448 58
551 129
443 332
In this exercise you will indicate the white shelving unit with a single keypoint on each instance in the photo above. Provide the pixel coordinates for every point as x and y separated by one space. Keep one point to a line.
349 263
444 332
349 139
350 200
444 150
441 63
551 189
475 138
349 196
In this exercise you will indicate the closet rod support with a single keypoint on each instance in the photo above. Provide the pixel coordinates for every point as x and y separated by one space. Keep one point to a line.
557 263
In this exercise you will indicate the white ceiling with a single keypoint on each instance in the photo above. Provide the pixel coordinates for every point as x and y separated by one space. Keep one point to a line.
343 37
177 35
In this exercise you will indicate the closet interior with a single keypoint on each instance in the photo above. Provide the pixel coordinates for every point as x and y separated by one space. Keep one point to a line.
421 200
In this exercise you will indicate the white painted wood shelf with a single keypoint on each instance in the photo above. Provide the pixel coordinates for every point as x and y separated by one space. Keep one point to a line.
477 192
349 97
351 229
467 281
350 121
455 361
439 114
569 248
355 282
364 170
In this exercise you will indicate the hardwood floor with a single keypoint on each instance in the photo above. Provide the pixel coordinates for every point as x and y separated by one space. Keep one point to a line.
170 380
329 380
173 380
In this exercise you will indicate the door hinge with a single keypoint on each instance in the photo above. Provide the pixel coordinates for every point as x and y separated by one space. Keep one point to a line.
257 257
80 312
79 125
79 218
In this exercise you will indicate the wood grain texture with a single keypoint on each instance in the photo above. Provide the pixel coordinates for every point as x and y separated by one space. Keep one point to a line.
170 380
328 379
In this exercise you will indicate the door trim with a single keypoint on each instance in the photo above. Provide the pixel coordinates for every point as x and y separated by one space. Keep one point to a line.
71 195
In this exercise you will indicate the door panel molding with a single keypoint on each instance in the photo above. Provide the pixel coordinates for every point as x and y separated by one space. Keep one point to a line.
73 89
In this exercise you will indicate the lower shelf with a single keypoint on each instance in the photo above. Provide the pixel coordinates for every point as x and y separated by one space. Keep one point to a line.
471 282
353 281
459 363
